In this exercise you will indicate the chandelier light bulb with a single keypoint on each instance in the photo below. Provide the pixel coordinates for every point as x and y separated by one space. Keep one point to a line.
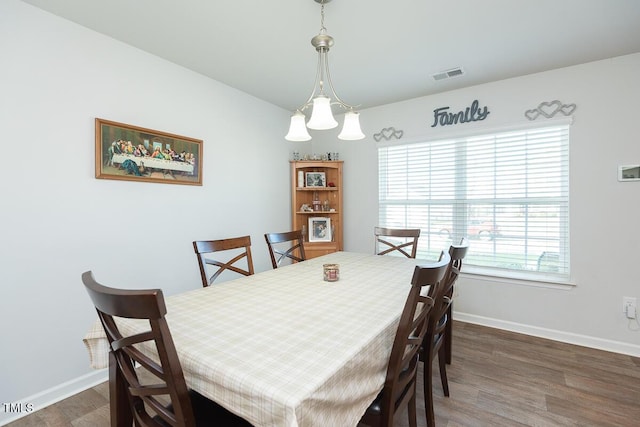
297 128
321 116
351 128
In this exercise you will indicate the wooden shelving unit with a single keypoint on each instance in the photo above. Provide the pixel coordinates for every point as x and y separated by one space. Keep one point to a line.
328 203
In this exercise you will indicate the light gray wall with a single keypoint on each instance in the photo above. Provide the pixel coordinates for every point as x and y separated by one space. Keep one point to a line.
605 231
57 220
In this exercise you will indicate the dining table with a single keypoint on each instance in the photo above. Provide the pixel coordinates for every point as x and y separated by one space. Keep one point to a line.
284 347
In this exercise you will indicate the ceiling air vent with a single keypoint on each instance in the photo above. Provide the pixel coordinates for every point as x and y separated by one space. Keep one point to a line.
454 72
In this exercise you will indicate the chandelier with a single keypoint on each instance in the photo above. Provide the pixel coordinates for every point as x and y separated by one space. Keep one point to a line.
323 96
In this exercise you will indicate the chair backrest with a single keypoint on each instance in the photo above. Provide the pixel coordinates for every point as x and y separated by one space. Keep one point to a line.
457 254
143 397
203 249
400 381
293 248
387 240
442 297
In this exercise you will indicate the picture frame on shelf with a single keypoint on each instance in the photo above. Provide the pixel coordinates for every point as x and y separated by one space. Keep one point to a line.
320 229
315 179
132 153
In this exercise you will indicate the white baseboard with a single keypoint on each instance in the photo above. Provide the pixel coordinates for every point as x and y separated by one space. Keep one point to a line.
55 394
567 337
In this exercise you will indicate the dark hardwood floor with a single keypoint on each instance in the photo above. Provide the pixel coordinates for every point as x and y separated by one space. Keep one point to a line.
497 378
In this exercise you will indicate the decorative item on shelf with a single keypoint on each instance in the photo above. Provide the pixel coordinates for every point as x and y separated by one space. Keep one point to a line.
320 229
387 134
325 206
331 184
321 114
315 179
306 208
328 156
296 155
316 202
550 109
331 272
300 179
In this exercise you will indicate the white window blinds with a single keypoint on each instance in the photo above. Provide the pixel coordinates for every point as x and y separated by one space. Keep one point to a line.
507 192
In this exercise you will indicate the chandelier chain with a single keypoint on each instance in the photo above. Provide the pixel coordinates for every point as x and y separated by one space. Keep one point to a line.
323 30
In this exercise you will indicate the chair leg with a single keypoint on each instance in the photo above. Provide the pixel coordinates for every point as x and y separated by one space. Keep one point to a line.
448 334
120 411
428 390
443 370
413 416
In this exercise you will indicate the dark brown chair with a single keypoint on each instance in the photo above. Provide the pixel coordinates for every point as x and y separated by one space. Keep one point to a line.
204 248
289 245
385 242
457 254
439 325
152 382
400 383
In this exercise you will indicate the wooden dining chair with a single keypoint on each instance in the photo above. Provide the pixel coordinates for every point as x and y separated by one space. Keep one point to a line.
387 240
151 382
238 246
399 388
286 245
457 254
439 326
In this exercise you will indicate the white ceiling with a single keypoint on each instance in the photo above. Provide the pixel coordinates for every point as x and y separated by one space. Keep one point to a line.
385 51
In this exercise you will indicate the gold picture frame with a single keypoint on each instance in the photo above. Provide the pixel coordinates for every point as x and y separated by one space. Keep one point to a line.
132 153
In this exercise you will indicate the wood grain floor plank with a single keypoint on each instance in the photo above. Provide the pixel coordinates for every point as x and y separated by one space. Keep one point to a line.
519 393
519 410
585 414
624 393
593 403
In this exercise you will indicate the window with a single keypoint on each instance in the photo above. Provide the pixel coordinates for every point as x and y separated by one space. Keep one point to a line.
507 192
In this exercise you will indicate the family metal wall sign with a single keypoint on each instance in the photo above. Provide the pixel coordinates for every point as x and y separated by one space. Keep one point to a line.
442 117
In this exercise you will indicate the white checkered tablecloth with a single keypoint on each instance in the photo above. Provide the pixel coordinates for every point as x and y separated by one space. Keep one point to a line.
283 348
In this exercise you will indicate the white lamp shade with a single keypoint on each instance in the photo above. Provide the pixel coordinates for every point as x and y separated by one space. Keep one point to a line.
297 129
321 116
351 129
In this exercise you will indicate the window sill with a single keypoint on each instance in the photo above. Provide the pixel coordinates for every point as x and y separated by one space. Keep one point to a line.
513 278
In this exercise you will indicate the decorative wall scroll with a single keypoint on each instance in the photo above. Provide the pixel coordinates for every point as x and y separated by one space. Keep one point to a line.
550 109
387 134
471 114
